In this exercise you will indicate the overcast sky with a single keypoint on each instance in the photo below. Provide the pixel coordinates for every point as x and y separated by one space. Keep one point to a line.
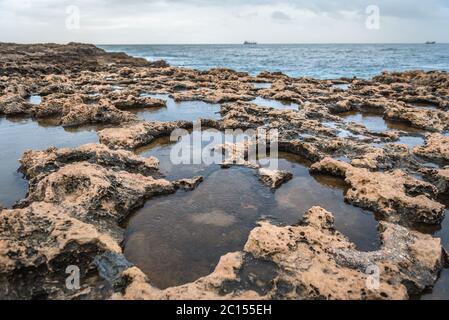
223 21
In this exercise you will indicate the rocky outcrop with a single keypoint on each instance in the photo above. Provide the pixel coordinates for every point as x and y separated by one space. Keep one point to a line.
12 104
37 163
70 219
274 178
39 243
83 114
310 261
396 195
32 59
435 149
431 120
77 197
139 134
244 154
439 178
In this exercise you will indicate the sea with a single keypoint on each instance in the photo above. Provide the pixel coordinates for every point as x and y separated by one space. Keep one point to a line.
321 61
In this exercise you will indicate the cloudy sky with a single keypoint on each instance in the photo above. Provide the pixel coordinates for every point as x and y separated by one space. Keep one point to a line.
223 21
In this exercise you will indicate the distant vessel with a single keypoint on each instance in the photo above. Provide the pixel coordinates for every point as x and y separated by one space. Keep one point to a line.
249 43
430 42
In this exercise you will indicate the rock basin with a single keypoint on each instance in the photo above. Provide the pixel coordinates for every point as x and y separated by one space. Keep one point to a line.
179 238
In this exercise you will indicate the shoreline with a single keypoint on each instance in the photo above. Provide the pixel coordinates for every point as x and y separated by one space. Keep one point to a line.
78 196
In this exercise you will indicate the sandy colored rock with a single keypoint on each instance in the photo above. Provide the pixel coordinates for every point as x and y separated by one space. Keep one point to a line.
83 114
309 261
139 134
435 149
396 195
431 120
274 178
38 243
12 104
36 163
76 200
439 178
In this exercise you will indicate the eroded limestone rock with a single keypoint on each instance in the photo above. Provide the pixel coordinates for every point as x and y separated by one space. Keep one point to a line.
139 134
76 200
396 195
309 261
436 148
36 163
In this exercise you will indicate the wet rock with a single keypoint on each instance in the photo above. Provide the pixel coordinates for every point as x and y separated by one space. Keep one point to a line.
110 266
425 119
309 261
393 194
36 163
388 157
12 104
274 178
95 191
139 134
436 148
32 59
212 96
37 246
70 219
439 178
83 114
124 102
78 196
189 184
238 154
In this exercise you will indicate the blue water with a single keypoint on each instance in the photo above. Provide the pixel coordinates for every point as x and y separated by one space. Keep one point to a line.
323 61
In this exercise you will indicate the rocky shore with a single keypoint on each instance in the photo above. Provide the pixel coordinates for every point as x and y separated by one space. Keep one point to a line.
78 197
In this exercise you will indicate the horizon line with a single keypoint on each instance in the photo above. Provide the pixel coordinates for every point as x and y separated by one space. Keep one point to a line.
263 43
228 43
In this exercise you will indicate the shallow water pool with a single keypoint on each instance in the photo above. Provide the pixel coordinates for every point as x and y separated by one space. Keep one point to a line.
276 104
18 135
185 110
179 238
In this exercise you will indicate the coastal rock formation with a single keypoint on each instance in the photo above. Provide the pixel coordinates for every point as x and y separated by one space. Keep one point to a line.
396 195
310 261
12 104
76 200
439 178
78 197
237 154
131 100
274 178
94 190
431 120
435 149
39 243
139 134
83 114
35 59
68 110
37 163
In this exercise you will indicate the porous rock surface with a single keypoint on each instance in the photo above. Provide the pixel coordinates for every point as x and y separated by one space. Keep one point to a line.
77 197
396 195
76 200
309 261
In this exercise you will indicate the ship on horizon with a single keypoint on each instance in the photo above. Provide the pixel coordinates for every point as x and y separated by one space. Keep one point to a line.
430 42
249 43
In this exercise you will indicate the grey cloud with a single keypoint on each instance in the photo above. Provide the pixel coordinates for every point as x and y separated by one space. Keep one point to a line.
138 20
280 16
